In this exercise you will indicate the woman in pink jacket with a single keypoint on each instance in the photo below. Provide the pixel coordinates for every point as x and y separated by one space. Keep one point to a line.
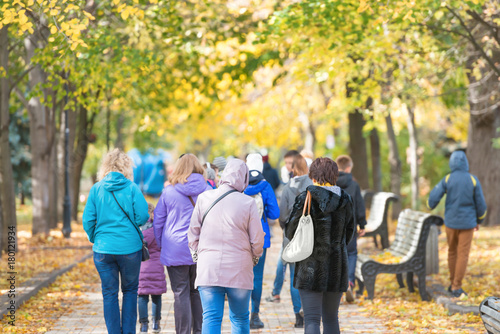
226 236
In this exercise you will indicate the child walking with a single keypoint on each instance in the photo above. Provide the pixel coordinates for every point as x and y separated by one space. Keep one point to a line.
465 209
151 279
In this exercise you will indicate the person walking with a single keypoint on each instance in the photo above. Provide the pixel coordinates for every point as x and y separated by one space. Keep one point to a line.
171 223
151 280
347 183
465 209
299 182
322 277
286 170
113 213
227 238
270 174
263 194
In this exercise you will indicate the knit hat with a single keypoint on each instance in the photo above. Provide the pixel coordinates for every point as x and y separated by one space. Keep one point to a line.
254 162
220 162
210 172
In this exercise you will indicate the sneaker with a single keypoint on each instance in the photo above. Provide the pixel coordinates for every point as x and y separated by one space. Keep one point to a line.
144 327
273 299
156 325
349 296
299 320
449 289
255 322
458 293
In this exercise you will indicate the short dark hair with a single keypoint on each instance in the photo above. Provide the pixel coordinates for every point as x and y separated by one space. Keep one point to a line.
324 170
291 153
344 162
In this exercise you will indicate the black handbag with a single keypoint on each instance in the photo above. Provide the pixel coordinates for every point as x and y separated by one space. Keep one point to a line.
145 250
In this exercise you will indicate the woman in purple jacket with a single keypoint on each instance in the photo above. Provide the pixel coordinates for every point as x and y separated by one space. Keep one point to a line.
151 279
171 222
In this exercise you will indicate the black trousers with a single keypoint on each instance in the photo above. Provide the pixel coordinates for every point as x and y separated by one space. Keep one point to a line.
188 312
318 306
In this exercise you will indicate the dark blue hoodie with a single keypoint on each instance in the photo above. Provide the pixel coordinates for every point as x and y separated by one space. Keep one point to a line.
257 184
465 204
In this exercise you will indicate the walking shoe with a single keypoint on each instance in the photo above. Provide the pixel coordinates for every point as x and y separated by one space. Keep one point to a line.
458 293
349 296
273 299
449 289
144 327
299 320
255 322
156 325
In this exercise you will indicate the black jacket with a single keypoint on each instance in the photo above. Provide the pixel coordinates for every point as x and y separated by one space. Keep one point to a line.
332 215
346 182
271 176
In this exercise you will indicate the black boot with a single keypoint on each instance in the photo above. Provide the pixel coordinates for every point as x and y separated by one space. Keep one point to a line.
255 322
299 320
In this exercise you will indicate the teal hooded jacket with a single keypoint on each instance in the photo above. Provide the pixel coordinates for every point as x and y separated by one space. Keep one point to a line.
107 227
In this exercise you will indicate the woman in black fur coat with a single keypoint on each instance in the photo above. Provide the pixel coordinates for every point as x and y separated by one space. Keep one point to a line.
322 277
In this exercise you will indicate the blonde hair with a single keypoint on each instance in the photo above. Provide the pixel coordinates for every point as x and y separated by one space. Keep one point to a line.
307 154
116 161
186 165
299 166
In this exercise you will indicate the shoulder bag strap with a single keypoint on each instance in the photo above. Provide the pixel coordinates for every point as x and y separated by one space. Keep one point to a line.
215 202
126 214
307 205
191 200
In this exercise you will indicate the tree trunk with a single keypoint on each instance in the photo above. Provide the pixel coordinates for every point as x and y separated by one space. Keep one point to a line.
53 184
413 158
357 146
79 157
395 163
7 192
119 136
71 142
40 144
375 157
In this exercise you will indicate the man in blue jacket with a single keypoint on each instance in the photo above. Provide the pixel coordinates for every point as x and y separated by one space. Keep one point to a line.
465 209
263 194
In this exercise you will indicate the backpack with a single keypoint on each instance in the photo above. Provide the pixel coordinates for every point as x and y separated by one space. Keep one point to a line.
260 203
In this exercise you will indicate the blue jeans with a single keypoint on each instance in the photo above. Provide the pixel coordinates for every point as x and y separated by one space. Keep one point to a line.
279 279
258 277
112 269
352 257
212 299
155 307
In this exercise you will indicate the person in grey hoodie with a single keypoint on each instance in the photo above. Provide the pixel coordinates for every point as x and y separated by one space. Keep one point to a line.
465 209
292 189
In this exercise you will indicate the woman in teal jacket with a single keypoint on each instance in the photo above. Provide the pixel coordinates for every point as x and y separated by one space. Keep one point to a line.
115 209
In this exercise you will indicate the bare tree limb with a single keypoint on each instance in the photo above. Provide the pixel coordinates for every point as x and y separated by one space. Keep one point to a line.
493 28
21 97
21 76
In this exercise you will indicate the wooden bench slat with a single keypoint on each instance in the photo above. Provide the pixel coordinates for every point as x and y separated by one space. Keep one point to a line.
494 303
491 324
490 311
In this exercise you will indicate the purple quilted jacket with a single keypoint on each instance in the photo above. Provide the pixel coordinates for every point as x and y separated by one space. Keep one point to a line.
152 276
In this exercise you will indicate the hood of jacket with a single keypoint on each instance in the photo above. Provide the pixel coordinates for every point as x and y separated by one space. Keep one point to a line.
256 185
115 181
298 182
328 199
195 185
235 175
344 180
459 162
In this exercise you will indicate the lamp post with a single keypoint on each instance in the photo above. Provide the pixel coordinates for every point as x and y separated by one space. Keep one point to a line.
66 230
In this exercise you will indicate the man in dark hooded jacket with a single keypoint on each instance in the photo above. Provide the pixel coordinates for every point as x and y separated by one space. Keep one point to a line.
350 186
465 209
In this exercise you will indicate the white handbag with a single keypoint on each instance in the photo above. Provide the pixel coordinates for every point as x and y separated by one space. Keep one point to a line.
302 244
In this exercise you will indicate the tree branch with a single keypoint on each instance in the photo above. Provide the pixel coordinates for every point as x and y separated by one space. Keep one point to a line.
18 80
494 29
474 42
21 97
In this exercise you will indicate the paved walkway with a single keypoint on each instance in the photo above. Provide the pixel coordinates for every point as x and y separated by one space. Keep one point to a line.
277 317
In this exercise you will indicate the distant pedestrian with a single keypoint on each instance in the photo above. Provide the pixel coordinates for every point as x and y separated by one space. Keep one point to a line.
270 174
465 209
211 175
292 189
227 244
322 277
286 170
152 280
263 194
171 223
308 155
114 211
347 183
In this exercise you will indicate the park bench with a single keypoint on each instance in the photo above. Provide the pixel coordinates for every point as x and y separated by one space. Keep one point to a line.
405 255
490 313
376 223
